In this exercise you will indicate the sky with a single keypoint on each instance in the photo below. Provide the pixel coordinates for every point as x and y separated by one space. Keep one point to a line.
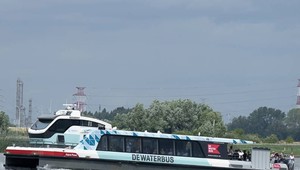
233 55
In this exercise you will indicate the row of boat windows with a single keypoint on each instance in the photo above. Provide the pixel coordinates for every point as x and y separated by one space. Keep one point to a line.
150 146
62 125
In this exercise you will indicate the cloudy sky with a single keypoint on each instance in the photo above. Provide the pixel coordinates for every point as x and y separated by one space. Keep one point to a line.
234 55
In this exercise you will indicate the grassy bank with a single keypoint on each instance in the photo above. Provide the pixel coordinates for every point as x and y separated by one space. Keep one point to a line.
15 136
13 140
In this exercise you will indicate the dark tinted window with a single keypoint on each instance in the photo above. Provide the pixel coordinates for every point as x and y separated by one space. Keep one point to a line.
197 151
62 125
102 145
76 122
89 123
166 147
83 123
60 139
41 124
149 146
183 148
94 124
133 144
116 143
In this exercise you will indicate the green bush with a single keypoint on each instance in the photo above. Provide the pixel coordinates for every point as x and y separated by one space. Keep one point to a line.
271 139
289 139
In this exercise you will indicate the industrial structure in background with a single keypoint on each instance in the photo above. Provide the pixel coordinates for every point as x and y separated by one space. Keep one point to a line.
29 118
298 95
20 109
80 99
21 119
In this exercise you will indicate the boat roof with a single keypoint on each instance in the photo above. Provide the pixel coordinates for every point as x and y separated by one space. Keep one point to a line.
67 114
47 116
174 136
52 117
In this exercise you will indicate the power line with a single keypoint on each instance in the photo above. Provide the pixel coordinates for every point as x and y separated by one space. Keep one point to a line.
191 95
254 100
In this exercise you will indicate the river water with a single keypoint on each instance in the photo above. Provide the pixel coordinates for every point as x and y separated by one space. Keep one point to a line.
297 162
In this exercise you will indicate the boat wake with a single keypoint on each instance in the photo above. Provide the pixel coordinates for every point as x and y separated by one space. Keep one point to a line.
47 167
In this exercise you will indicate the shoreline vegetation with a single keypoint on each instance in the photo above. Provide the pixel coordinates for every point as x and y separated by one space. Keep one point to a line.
14 137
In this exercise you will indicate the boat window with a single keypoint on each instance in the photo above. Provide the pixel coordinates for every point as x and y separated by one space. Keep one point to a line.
76 122
62 125
95 124
197 151
102 145
60 139
133 144
100 126
116 143
83 123
183 148
41 124
90 123
166 147
150 146
87 123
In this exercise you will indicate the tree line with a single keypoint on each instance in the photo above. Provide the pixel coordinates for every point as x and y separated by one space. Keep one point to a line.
187 117
269 123
4 123
178 116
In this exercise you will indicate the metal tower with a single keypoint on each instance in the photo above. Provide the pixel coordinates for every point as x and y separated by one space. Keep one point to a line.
1 101
298 95
80 98
20 110
29 118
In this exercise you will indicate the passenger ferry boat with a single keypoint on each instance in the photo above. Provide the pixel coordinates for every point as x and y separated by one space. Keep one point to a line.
65 128
126 150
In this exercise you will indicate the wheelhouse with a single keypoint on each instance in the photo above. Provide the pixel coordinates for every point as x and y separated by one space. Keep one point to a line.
64 128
